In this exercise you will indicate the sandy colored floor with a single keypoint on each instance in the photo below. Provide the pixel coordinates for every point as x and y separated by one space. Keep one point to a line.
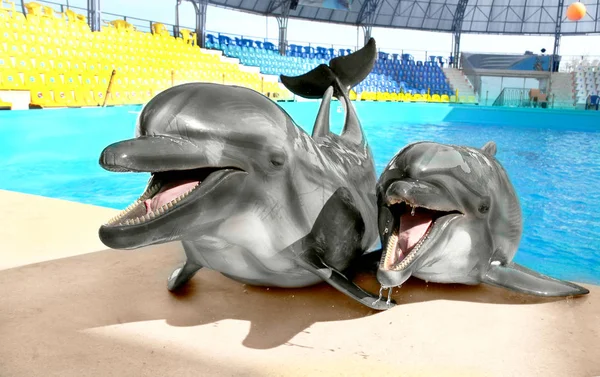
69 307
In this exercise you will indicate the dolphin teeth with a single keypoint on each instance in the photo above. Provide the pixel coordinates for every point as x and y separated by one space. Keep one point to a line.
391 248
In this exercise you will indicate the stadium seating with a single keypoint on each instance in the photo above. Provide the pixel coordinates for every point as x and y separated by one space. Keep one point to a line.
587 81
62 63
394 77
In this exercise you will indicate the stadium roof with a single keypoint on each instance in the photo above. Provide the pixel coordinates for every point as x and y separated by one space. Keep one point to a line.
536 17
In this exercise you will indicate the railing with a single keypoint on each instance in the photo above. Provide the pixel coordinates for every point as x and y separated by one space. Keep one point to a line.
140 24
146 26
513 97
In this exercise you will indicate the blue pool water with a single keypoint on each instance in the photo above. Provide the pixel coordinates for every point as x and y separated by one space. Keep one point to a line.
553 160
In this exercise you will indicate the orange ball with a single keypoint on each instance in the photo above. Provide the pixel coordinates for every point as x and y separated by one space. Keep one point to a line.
576 11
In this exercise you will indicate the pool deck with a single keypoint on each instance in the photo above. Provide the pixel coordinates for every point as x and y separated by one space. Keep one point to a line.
70 307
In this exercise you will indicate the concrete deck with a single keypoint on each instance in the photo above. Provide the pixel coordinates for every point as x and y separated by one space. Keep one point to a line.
69 307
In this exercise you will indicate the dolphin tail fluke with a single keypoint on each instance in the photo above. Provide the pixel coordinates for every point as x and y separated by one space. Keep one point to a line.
343 73
520 279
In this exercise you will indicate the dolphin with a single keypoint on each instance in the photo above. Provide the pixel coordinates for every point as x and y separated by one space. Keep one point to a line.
450 214
246 190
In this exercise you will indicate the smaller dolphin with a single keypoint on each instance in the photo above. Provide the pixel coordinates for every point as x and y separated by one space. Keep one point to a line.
449 214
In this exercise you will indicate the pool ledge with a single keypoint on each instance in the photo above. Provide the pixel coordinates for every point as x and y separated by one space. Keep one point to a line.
70 307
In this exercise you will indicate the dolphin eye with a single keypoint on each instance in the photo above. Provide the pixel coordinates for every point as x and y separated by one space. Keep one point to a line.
484 206
277 159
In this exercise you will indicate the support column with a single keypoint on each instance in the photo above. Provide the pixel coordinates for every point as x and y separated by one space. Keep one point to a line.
456 50
366 17
93 14
200 6
457 21
282 21
367 30
557 33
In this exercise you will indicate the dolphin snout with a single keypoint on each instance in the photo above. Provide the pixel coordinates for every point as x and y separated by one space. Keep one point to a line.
410 191
419 193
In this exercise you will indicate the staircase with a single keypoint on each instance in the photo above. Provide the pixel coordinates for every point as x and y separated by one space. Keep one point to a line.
458 81
563 91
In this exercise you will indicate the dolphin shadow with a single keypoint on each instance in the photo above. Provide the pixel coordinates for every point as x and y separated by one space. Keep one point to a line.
113 287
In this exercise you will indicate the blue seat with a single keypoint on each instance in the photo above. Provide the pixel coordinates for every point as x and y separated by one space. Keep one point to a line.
593 102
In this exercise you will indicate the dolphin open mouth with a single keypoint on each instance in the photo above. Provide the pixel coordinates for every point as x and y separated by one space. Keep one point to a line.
411 227
167 191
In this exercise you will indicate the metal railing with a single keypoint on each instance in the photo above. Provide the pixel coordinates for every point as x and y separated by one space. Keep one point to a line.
140 24
145 25
513 97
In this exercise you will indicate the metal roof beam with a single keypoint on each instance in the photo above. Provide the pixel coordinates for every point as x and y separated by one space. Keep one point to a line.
367 11
459 16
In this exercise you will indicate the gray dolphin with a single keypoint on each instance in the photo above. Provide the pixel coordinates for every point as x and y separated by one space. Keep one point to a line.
449 214
246 190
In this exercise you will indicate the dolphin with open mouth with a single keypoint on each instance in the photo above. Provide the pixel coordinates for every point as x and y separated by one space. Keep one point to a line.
449 214
247 191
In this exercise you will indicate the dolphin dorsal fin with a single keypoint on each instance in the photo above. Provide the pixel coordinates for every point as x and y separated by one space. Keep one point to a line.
321 127
489 148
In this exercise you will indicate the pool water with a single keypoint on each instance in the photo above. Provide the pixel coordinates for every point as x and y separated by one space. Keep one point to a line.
555 170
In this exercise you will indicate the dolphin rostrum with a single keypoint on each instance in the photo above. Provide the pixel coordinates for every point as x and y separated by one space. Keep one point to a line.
449 214
247 191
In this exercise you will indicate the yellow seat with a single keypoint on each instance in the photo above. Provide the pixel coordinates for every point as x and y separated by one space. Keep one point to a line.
159 29
436 98
41 96
10 79
400 97
445 98
42 65
71 84
87 94
394 97
77 66
408 97
5 105
34 8
471 99
5 63
119 25
84 97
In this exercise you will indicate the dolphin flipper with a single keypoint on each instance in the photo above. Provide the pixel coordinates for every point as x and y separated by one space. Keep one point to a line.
331 245
182 275
343 73
520 279
368 262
